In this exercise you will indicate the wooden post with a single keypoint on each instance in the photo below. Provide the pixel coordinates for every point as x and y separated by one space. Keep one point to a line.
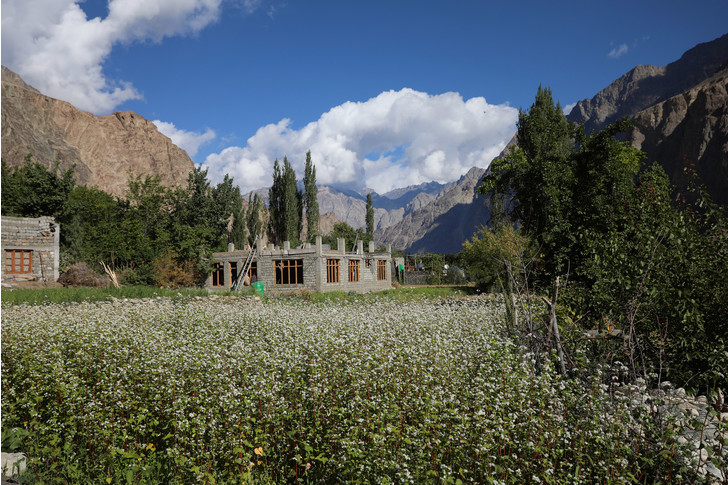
559 349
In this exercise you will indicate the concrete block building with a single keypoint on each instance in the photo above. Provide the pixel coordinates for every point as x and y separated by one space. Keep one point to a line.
30 249
316 268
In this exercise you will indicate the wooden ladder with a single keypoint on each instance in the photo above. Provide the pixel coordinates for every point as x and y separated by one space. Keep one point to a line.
246 267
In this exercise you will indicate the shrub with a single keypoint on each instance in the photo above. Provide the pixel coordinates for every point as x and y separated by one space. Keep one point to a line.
169 272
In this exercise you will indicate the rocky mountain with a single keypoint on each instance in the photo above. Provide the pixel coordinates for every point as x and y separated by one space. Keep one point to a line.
690 128
389 208
445 223
679 112
105 150
647 85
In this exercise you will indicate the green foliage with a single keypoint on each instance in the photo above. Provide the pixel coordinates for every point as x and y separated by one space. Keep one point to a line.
489 252
34 191
370 217
539 175
286 205
254 219
171 272
90 226
344 230
45 296
310 200
238 234
633 259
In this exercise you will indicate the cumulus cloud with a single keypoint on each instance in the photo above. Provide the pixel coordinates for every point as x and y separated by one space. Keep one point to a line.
189 141
618 51
58 50
567 109
396 139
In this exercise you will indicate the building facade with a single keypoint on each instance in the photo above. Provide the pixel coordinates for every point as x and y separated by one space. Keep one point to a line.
30 249
315 268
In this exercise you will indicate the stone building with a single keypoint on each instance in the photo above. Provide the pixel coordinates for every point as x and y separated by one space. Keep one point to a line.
30 249
316 268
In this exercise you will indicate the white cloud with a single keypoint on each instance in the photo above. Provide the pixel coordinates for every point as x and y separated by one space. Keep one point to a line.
618 51
396 139
189 141
567 109
56 49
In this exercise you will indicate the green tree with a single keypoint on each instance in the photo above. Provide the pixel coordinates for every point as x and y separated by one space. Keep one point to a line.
311 199
538 176
238 234
33 191
285 205
370 217
254 220
276 207
343 230
90 227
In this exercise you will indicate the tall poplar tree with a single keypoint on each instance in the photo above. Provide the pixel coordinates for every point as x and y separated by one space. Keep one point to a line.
238 233
311 199
285 205
254 221
293 205
370 217
276 205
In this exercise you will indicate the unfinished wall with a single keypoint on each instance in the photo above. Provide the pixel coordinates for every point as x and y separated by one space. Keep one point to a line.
314 269
34 238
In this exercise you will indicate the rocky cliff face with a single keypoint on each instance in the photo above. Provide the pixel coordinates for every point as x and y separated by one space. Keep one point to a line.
645 86
445 223
105 150
679 113
691 127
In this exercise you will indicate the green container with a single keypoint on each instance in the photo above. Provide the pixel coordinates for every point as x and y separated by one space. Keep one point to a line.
258 287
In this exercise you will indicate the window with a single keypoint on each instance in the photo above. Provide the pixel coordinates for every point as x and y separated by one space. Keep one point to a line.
288 271
233 273
253 271
332 270
381 270
18 261
353 271
218 275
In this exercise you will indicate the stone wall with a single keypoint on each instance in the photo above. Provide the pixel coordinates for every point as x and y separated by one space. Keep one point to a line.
40 236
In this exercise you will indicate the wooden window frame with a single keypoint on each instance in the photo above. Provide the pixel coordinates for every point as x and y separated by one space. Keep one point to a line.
19 261
381 270
333 271
217 275
354 265
288 272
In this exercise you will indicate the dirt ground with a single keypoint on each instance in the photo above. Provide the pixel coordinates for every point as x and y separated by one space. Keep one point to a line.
24 285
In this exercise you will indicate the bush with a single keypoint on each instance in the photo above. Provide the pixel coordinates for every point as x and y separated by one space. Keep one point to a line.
171 273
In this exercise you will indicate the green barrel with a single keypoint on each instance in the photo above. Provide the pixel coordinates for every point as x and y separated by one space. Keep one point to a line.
258 287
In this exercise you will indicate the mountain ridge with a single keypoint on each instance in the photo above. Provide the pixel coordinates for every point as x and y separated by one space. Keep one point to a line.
105 151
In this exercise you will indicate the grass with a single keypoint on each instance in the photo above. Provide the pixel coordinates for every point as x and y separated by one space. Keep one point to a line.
403 294
43 296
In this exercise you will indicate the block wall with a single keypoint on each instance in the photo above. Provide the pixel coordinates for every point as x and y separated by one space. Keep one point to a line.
40 235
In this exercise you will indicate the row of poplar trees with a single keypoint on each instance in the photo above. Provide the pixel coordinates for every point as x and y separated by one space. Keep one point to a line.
288 204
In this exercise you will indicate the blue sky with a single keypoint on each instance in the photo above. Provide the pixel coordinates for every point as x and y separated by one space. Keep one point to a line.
384 94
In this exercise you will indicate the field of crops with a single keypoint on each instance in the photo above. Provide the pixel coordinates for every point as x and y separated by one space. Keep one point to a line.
286 391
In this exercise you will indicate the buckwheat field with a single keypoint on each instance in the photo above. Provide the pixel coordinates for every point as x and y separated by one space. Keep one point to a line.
291 391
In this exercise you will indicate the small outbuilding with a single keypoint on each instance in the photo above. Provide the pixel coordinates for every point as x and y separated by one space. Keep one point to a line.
30 249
